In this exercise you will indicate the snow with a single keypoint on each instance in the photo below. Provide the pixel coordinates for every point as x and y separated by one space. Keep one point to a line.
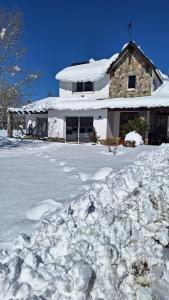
34 76
17 68
44 207
2 33
37 177
133 136
94 70
102 173
106 244
163 76
159 98
124 46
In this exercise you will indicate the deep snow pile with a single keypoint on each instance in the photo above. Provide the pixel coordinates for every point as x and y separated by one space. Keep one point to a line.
113 243
133 136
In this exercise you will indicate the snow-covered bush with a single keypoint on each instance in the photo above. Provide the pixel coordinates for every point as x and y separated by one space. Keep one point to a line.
137 124
134 137
110 244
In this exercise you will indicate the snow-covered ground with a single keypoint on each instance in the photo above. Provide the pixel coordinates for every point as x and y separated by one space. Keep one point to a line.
110 243
37 177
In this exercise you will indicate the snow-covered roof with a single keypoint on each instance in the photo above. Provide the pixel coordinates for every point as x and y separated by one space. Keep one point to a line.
92 71
159 98
95 70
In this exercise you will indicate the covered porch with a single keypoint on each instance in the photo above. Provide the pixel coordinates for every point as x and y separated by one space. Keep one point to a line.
157 120
36 124
159 126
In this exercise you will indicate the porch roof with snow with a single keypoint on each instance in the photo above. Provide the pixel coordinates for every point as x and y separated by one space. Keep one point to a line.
159 99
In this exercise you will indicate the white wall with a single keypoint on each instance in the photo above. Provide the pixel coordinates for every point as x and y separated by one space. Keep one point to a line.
57 121
101 89
56 124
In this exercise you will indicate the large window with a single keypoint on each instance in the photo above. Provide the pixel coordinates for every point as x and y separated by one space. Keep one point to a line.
82 86
79 129
132 82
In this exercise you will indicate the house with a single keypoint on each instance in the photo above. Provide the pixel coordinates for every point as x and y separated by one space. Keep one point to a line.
103 94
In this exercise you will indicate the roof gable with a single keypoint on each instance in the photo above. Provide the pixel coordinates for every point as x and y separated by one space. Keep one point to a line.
130 47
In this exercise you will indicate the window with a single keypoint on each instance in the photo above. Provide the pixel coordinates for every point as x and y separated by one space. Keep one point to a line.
132 82
88 86
82 87
79 129
79 87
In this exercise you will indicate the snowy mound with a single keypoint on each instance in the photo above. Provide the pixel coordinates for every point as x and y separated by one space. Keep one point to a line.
7 142
111 244
134 137
92 71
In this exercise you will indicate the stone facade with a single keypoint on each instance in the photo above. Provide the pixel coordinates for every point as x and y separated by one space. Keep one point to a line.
130 64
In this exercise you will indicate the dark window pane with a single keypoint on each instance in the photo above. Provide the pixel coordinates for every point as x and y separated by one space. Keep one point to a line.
132 82
72 129
74 86
88 86
79 86
42 127
86 127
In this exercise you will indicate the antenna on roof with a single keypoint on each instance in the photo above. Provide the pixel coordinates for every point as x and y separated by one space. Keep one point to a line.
130 31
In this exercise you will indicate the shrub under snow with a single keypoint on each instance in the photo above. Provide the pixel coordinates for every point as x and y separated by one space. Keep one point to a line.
113 243
135 137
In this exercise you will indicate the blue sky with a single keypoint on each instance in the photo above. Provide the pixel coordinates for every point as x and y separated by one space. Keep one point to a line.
58 33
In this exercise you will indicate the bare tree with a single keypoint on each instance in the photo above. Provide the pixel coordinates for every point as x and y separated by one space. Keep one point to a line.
14 78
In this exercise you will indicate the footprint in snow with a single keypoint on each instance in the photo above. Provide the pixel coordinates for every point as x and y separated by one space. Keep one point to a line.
102 173
52 159
84 176
75 176
68 169
72 195
86 187
62 163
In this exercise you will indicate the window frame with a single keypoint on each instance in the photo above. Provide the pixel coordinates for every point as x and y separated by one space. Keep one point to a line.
131 88
74 87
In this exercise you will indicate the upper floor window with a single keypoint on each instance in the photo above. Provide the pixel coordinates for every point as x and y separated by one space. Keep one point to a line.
82 86
132 82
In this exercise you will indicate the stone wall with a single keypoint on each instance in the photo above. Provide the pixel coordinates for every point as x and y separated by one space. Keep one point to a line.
131 64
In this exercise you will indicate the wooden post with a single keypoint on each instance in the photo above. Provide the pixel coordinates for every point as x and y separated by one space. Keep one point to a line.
10 124
147 117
